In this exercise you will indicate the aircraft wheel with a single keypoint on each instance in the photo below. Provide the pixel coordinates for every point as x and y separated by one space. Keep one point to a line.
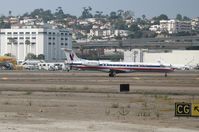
112 74
165 75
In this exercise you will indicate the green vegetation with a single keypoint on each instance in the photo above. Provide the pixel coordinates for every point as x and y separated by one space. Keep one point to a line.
115 20
28 93
31 56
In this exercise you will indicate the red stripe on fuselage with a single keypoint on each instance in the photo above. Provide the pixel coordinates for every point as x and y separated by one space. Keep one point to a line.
141 69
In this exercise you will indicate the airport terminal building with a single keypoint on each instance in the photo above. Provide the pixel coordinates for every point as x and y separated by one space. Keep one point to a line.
178 57
46 40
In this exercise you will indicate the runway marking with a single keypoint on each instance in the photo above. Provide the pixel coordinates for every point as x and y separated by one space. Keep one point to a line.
136 78
4 78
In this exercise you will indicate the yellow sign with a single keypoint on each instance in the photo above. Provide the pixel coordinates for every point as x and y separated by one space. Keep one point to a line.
195 110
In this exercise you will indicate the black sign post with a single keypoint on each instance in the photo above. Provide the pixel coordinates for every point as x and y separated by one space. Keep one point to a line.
183 109
124 87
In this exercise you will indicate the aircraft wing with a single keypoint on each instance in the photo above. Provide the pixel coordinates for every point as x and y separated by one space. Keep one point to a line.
121 70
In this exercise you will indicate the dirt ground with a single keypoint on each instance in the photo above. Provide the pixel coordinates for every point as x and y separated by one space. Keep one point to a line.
34 101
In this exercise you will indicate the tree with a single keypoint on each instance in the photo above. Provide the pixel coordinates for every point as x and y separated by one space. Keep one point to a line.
179 17
120 24
128 14
3 24
118 37
26 14
30 56
46 15
41 57
120 13
165 33
83 27
37 12
163 17
183 33
98 14
59 14
185 18
143 17
10 13
113 15
27 42
138 20
8 54
138 34
134 28
86 12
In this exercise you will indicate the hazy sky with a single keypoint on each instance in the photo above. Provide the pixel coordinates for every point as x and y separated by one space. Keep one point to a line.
150 8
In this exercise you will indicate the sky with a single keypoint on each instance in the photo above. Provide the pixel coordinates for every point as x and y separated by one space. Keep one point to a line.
150 8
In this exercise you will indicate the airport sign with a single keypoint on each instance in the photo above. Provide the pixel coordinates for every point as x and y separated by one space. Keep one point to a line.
183 109
186 109
195 110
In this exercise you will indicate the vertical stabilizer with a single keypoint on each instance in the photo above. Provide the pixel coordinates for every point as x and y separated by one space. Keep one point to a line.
70 55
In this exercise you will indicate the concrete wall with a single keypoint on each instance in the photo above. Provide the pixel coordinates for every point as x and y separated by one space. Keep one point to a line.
135 55
185 57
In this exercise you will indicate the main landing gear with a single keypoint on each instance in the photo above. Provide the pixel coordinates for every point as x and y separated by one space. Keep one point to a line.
112 74
165 75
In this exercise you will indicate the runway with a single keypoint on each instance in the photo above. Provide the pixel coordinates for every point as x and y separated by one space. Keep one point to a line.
91 101
181 82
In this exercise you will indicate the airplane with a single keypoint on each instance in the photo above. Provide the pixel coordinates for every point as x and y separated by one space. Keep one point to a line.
177 66
113 68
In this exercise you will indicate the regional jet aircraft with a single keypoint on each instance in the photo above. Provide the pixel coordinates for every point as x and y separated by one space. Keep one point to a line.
113 68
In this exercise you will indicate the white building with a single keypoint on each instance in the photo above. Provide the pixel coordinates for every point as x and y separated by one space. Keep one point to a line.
96 33
175 26
107 33
135 55
28 21
174 57
195 24
183 26
179 57
163 25
172 26
155 28
122 33
19 41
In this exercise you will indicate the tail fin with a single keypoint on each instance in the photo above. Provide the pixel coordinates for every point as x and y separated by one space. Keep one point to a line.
70 55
